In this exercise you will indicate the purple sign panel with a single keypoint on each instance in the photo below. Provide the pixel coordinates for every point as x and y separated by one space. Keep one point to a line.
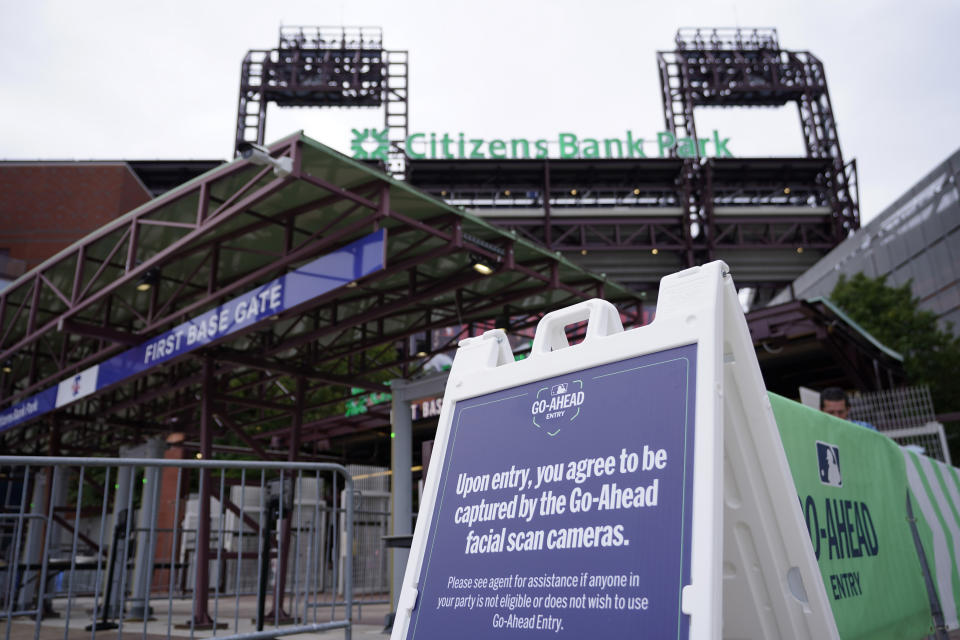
564 508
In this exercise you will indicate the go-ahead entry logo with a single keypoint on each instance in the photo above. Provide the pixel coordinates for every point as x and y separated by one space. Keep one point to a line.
557 405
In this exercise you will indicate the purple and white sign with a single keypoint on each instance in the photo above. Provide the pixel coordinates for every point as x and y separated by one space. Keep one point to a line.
357 259
564 508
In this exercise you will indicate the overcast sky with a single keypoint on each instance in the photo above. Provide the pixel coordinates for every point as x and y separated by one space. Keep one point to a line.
128 79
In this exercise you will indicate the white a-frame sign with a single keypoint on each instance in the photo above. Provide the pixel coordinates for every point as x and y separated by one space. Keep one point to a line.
630 486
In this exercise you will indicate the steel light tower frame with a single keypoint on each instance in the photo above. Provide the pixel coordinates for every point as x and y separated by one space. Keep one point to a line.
327 67
727 67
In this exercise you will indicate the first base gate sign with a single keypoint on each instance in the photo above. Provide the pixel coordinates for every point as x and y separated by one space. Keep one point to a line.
581 492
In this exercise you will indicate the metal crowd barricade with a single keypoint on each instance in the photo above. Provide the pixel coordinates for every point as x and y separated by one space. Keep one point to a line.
91 544
371 523
907 415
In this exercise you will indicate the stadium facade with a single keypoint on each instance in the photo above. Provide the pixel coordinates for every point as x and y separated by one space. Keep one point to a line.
577 223
916 239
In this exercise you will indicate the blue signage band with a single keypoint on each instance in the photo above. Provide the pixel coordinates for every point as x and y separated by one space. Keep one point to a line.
331 271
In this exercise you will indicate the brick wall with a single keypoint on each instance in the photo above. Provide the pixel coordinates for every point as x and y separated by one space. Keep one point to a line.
45 207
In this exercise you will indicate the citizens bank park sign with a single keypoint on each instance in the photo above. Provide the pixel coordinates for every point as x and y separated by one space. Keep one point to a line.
372 144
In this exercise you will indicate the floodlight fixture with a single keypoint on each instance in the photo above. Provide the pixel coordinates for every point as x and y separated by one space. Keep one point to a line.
149 279
482 263
421 349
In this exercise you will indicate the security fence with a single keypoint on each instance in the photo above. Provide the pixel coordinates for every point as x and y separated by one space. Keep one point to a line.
906 415
94 544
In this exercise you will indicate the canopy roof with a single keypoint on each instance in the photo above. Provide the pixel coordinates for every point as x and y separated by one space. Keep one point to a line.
286 379
813 343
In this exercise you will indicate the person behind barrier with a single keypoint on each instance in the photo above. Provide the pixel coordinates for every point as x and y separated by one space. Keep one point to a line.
833 400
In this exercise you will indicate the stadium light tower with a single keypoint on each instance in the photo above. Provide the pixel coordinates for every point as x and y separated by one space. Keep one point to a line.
327 67
732 67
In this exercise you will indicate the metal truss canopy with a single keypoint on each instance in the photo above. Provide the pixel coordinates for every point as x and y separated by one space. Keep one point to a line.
286 380
814 344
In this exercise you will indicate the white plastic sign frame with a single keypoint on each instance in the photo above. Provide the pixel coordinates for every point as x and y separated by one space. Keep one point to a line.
752 573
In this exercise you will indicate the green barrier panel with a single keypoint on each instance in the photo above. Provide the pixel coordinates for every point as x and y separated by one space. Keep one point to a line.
852 486
936 496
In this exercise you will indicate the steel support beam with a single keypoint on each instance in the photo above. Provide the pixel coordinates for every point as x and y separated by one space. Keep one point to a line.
292 456
201 591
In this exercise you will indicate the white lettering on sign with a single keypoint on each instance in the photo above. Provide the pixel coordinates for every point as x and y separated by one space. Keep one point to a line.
257 305
29 407
427 408
163 347
252 307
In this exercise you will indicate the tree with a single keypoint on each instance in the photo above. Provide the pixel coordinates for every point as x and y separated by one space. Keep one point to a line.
931 356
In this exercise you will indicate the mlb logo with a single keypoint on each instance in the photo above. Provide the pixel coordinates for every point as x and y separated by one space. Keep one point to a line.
828 458
77 386
558 389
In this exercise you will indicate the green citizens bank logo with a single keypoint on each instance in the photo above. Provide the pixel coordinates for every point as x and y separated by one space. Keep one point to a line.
557 405
373 144
370 144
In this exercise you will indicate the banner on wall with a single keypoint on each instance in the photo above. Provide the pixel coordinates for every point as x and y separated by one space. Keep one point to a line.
852 488
935 491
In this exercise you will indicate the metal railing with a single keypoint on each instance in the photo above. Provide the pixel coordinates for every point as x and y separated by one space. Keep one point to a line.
906 415
894 408
99 543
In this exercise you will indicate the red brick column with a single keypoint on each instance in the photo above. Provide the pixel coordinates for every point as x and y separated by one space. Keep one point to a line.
167 510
